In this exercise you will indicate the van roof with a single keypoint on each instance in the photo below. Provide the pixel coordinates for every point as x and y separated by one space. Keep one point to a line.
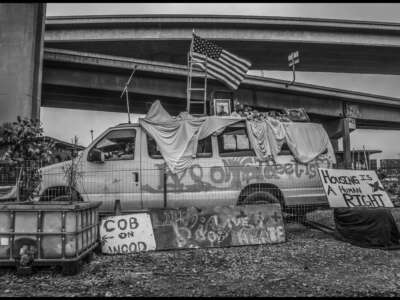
126 125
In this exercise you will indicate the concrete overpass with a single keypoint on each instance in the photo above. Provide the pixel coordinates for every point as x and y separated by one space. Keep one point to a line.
105 49
324 45
82 80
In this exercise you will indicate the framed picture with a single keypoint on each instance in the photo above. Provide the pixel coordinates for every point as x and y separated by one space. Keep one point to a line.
297 114
222 107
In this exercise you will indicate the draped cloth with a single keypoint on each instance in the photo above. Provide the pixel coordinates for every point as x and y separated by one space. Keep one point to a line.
177 138
259 140
266 137
276 135
307 141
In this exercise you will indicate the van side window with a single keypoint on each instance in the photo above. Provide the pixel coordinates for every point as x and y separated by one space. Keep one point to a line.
152 147
118 145
285 150
204 148
234 141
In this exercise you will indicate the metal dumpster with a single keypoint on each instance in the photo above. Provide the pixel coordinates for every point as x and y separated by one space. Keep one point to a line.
54 233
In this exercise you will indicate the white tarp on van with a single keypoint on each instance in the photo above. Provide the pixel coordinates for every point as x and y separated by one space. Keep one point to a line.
177 137
305 140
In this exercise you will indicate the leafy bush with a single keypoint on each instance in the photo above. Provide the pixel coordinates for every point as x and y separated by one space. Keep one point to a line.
26 149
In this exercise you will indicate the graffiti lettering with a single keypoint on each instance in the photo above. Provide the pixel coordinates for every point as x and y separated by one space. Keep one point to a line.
218 227
122 224
374 200
127 248
124 235
234 174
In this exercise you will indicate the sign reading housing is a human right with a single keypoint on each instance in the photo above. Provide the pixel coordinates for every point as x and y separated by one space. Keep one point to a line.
353 188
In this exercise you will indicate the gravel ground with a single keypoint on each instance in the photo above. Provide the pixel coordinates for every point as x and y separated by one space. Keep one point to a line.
310 263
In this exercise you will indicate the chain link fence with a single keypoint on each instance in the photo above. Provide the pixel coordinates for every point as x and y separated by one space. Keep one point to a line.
134 187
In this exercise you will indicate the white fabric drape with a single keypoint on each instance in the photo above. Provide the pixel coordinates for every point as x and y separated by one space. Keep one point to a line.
177 138
305 140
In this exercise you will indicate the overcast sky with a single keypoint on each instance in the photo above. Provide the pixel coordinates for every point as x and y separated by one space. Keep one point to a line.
389 12
70 123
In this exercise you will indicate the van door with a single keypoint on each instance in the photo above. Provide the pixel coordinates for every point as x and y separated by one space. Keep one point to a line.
152 174
118 177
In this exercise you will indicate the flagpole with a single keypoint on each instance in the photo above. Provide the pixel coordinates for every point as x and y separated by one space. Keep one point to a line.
189 75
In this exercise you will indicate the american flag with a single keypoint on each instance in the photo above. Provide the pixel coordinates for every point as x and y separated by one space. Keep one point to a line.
221 64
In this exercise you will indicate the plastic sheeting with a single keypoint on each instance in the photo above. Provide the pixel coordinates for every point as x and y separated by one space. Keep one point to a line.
177 137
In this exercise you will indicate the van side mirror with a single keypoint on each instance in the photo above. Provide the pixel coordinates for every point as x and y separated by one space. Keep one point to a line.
95 155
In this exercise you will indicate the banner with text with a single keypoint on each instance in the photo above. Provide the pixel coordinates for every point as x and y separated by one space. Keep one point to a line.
127 234
353 188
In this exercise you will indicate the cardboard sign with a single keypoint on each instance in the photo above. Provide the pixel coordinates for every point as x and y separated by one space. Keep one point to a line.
218 226
127 234
353 188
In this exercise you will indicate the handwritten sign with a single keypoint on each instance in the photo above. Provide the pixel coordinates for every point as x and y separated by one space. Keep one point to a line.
353 188
127 234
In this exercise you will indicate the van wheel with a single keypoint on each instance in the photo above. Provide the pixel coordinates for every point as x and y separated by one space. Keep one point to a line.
259 198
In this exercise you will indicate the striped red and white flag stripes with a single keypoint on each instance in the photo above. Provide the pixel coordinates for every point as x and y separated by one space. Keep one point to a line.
221 64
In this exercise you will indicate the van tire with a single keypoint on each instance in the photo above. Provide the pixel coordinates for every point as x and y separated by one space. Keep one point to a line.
260 198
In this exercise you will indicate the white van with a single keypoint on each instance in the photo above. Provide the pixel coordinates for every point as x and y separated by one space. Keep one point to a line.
123 163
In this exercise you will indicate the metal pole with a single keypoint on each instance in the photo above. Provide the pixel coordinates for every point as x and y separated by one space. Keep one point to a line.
127 107
365 158
165 185
126 92
189 75
205 90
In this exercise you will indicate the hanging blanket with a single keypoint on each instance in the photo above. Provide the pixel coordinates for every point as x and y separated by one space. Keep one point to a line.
258 136
276 135
177 138
307 141
266 137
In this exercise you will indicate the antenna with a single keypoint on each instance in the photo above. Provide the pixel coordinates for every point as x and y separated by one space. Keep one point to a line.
126 93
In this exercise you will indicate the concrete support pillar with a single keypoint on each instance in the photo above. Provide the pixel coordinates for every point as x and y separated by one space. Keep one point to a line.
346 144
21 57
335 144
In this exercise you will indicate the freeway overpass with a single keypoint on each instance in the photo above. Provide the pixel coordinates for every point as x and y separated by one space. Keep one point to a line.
325 45
88 59
80 80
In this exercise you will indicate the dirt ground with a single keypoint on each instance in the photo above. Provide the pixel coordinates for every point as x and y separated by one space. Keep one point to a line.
310 263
